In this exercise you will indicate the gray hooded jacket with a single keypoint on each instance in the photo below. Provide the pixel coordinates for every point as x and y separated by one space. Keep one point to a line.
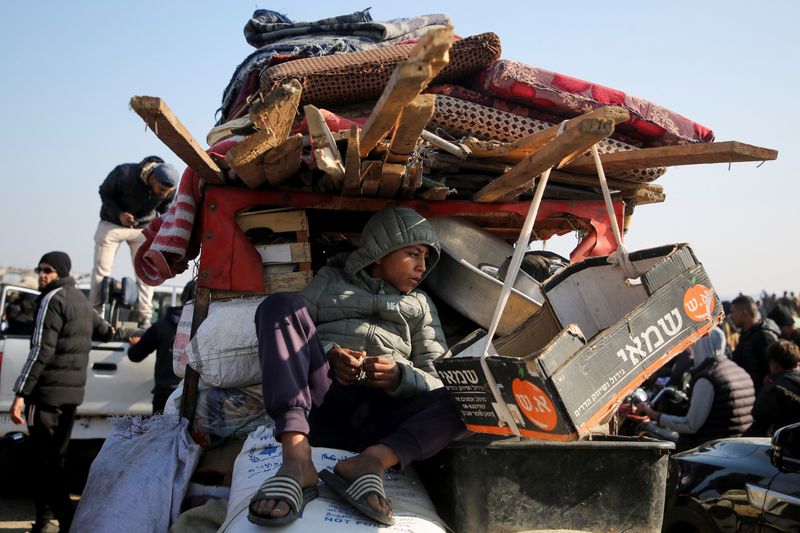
353 310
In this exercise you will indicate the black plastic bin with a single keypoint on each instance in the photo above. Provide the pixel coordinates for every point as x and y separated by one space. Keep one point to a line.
605 484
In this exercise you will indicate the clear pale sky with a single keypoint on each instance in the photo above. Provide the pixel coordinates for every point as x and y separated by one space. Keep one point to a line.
70 68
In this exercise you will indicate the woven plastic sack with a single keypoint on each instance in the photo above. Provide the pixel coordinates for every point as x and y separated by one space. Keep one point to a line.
260 458
224 350
140 477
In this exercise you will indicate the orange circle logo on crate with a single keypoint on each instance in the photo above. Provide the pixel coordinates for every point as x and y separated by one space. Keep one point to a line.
698 302
535 404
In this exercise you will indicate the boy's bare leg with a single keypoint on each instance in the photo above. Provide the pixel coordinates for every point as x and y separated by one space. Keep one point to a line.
297 464
374 460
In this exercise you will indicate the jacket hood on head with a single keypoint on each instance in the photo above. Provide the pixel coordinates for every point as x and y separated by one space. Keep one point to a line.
708 347
388 230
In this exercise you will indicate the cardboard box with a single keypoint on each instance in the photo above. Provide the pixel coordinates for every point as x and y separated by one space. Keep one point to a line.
597 337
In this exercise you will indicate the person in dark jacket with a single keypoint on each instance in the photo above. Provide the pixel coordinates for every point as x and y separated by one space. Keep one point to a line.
51 384
348 363
160 337
721 399
778 403
131 196
754 338
783 317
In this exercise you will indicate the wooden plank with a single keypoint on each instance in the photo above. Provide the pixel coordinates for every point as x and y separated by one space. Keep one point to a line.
516 151
277 221
283 282
191 379
283 161
435 193
391 179
412 121
287 282
351 186
447 163
667 156
643 196
160 118
518 179
277 112
326 153
408 79
412 181
371 173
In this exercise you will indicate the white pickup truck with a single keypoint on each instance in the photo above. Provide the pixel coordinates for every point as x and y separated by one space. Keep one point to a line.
114 384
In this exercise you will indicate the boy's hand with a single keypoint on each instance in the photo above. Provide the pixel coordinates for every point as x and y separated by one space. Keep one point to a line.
346 364
382 372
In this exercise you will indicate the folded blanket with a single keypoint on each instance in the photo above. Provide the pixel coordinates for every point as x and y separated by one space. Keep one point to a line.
461 118
278 38
348 78
567 96
172 240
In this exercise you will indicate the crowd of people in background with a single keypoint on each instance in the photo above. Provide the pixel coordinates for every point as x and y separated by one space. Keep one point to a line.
743 378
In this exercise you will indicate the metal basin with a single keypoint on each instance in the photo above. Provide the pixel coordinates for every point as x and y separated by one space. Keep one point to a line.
463 280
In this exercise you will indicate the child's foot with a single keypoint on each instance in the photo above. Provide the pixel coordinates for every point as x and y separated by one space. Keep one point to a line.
351 468
298 468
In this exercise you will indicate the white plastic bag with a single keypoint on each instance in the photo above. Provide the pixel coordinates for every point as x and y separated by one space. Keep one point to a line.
224 350
260 458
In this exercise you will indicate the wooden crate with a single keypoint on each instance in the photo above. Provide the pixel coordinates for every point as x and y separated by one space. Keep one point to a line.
293 224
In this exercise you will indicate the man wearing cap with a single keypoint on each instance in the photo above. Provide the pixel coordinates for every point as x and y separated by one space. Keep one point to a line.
784 318
131 195
51 384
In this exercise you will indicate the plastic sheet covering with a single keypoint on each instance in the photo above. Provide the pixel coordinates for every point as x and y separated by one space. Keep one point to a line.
223 413
139 478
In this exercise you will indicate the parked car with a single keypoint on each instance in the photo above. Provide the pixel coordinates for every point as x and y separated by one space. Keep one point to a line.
736 484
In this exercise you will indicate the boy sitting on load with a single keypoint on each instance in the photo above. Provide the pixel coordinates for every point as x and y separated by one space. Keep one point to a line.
347 364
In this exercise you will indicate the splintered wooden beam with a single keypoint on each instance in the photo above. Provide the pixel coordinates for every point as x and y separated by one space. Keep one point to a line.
412 121
667 156
391 179
278 110
371 173
275 115
282 162
412 180
517 180
160 118
643 195
326 153
516 151
408 80
352 165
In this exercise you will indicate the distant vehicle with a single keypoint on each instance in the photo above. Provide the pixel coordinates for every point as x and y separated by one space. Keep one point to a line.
736 484
114 385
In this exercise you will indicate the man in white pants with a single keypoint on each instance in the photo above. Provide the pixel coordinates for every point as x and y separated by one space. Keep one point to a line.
131 196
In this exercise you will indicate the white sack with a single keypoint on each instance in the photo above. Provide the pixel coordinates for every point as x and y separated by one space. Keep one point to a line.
224 351
139 478
260 458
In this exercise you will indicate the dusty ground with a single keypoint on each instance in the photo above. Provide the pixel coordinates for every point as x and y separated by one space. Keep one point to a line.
17 514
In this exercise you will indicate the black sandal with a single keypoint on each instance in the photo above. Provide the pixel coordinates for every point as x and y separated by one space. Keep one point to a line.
282 489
